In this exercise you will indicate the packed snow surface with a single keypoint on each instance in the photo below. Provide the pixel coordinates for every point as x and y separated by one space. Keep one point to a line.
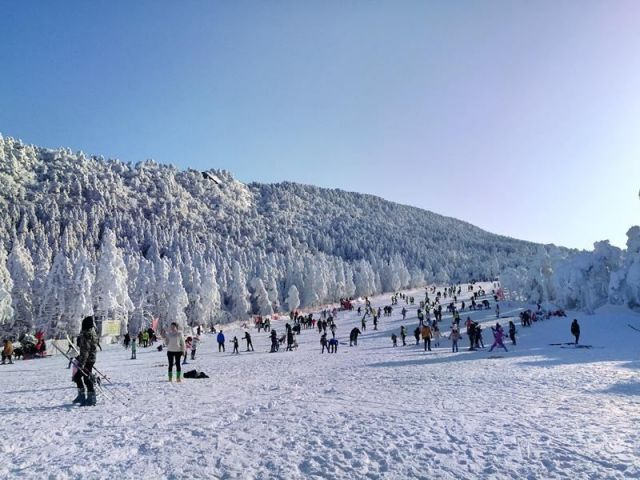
371 411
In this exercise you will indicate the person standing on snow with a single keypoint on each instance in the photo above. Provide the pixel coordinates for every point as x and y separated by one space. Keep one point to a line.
247 337
175 348
575 329
220 339
88 345
403 335
455 336
426 336
498 338
416 333
512 332
235 345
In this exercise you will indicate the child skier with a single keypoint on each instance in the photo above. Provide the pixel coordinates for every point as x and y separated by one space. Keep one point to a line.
498 336
235 346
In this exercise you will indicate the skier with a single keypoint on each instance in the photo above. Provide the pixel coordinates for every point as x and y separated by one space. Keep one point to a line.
353 337
274 341
133 349
7 351
375 322
403 334
404 313
323 342
498 336
575 329
175 347
394 339
247 337
363 323
235 346
512 332
88 344
416 333
220 339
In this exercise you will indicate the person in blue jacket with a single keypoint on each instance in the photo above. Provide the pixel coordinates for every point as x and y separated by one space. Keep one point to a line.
220 341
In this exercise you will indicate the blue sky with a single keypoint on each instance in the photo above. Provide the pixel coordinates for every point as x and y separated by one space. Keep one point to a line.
520 117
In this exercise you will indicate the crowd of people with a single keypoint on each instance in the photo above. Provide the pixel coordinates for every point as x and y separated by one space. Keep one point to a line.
427 333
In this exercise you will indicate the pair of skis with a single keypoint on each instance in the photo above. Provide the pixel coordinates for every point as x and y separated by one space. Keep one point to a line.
117 393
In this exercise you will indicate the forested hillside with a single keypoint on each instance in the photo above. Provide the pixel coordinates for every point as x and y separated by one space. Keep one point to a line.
80 234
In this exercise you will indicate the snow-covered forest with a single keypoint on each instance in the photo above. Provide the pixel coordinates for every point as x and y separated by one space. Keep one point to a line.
80 235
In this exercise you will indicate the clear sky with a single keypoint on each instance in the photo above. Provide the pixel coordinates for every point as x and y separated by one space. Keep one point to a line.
520 117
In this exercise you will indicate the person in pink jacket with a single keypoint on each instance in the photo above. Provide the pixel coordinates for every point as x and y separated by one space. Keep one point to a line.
498 338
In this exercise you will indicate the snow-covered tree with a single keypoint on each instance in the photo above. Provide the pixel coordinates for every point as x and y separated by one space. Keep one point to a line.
6 285
239 294
293 298
21 270
54 309
80 294
177 300
110 290
261 297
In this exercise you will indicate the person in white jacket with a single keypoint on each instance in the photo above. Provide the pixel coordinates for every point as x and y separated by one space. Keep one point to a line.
175 348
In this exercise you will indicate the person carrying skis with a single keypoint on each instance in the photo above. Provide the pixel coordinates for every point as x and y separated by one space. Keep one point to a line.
247 337
175 348
512 332
575 329
88 345
498 338
220 339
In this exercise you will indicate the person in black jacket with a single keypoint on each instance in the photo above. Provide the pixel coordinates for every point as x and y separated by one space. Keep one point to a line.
575 329
247 337
88 345
353 337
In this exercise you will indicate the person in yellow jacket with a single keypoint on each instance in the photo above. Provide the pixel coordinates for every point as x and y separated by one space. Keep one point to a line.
7 351
426 336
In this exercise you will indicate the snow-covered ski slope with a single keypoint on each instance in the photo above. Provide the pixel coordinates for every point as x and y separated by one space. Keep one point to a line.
372 411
